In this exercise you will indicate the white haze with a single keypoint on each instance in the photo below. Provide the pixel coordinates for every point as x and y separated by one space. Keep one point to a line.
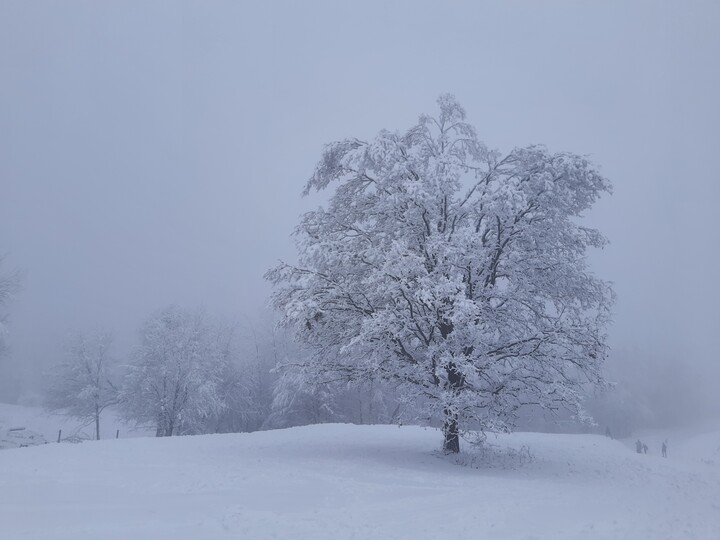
153 153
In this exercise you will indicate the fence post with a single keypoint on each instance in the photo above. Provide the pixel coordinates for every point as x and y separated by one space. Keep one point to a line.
117 434
59 433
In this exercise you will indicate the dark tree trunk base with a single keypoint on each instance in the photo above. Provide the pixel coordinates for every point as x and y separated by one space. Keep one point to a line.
451 444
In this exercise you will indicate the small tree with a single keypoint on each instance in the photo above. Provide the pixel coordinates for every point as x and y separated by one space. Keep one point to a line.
452 272
176 378
81 386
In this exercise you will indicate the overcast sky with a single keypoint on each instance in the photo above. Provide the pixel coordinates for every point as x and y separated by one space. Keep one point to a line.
154 152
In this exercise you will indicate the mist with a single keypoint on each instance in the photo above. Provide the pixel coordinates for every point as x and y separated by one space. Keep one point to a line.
155 153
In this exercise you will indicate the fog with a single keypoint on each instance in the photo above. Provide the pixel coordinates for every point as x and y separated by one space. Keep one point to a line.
154 153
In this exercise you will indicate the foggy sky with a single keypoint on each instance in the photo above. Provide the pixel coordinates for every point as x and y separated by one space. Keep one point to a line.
154 152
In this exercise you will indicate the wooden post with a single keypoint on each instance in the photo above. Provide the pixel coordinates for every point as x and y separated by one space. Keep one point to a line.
59 433
117 434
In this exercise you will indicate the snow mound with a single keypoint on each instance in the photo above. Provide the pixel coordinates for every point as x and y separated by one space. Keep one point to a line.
343 481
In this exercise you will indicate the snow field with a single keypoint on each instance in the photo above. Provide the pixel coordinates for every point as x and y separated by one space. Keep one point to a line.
344 481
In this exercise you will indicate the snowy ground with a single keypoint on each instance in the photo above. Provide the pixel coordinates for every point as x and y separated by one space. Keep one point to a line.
343 481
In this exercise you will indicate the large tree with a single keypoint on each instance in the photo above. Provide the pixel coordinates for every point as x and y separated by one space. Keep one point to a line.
451 271
82 384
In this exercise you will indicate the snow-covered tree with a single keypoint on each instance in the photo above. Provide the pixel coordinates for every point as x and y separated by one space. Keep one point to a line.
298 401
81 385
9 284
263 347
237 388
452 272
178 379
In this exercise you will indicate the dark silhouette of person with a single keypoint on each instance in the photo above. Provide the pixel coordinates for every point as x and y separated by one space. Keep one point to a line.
664 448
638 446
645 448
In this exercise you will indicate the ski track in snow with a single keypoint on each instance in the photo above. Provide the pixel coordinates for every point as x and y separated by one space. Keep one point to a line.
342 481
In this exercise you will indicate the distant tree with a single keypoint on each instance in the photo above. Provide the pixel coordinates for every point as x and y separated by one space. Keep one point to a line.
262 349
81 385
239 406
236 390
452 272
9 285
298 401
178 379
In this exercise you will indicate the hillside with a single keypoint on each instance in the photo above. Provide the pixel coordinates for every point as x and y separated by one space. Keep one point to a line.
345 481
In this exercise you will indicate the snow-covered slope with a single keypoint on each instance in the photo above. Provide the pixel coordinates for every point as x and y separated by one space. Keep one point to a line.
344 481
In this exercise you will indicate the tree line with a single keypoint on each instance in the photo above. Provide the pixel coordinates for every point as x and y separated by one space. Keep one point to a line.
191 373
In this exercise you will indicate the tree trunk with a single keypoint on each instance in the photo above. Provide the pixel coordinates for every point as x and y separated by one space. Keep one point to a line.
456 381
160 429
451 433
450 428
161 425
97 425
